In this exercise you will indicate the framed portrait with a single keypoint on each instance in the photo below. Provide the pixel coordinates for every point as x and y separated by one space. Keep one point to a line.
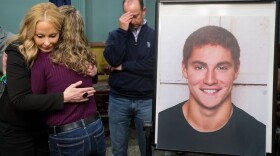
215 78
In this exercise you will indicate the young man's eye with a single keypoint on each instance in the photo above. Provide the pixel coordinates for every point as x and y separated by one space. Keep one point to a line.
199 67
222 67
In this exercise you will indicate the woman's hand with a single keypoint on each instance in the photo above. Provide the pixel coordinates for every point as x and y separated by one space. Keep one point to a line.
4 67
74 94
91 69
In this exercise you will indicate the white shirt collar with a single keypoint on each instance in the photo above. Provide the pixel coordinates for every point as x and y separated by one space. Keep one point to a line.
137 31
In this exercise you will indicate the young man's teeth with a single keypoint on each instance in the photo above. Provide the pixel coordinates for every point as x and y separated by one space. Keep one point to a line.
210 91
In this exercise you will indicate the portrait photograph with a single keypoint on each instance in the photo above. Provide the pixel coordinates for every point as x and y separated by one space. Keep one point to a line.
215 77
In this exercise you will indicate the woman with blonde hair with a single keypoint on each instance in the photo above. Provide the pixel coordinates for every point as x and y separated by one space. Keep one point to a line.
22 114
77 129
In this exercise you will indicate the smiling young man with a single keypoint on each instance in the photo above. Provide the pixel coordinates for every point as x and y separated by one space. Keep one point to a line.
209 122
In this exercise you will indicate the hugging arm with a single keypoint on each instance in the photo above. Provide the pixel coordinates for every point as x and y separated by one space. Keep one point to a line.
19 87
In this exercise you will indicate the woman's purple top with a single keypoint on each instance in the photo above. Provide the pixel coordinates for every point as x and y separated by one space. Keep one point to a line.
47 77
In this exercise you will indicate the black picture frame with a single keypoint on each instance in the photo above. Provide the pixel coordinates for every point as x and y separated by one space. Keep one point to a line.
255 25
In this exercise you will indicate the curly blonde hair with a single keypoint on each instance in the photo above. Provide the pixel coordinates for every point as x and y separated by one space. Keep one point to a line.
38 13
73 50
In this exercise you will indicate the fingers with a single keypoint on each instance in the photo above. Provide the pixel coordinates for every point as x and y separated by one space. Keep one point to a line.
74 94
83 100
80 100
91 70
85 95
127 17
74 85
88 93
86 89
124 20
91 93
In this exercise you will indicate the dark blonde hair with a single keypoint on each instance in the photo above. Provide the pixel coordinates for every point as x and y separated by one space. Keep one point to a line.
73 50
38 13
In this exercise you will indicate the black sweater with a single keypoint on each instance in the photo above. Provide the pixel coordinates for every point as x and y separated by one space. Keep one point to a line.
18 106
137 58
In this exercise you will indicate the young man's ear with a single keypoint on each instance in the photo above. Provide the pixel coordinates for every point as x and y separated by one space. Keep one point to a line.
237 69
184 70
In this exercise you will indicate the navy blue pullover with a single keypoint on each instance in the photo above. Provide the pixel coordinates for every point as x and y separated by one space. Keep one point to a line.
137 58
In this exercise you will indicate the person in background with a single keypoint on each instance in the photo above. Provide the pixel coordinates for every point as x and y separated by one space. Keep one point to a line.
77 130
4 35
61 2
208 121
130 53
23 129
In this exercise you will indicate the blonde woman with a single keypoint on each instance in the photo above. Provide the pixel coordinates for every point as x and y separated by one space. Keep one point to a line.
22 117
77 129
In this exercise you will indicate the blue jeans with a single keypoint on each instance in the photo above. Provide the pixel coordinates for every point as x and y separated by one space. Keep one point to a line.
85 141
121 112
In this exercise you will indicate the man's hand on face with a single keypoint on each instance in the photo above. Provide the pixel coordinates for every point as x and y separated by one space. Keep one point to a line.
124 20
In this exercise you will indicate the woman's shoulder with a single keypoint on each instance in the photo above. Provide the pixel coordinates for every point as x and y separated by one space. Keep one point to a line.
13 46
13 52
